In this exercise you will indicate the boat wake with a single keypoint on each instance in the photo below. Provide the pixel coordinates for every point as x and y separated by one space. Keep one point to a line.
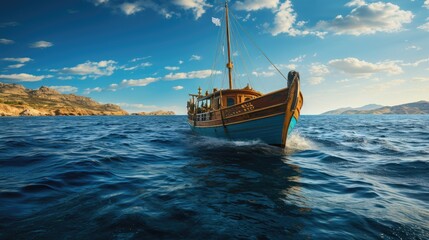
298 143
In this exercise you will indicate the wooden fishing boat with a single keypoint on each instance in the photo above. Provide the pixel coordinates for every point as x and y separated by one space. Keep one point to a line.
244 113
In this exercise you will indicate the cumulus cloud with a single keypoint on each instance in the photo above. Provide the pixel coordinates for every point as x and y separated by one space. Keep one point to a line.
178 88
41 44
263 73
180 62
24 77
100 2
216 21
19 65
298 59
318 72
285 22
368 19
130 8
90 90
138 82
255 5
426 4
198 7
360 67
191 75
316 80
284 19
425 26
92 69
195 58
141 65
65 78
169 68
20 60
64 89
6 41
416 63
140 58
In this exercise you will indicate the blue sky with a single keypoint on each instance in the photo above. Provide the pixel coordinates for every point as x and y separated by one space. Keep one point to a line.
148 55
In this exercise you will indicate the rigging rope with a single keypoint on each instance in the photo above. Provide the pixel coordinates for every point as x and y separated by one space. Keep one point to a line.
260 50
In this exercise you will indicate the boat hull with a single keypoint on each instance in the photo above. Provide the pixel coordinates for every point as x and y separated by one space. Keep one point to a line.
269 118
267 130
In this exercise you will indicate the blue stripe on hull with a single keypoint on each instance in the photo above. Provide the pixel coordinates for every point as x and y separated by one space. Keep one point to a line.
268 130
291 125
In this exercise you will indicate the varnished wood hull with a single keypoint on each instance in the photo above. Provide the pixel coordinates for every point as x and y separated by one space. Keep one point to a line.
269 118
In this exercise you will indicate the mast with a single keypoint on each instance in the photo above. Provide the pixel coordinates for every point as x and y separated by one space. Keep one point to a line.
229 65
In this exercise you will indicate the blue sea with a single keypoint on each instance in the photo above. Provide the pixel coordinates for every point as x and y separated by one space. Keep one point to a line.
136 177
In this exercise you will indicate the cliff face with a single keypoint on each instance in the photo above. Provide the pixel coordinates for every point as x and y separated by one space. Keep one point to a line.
16 100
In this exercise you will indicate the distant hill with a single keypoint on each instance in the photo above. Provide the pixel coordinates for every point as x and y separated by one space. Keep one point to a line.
155 113
16 100
421 107
343 110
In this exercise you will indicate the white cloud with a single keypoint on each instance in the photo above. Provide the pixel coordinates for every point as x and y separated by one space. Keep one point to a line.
6 41
191 75
41 44
180 62
198 7
416 63
264 74
130 8
426 4
92 69
298 59
355 3
368 19
318 69
141 65
413 47
20 60
318 72
24 77
100 2
140 58
216 21
255 5
284 19
360 67
90 90
178 88
195 58
113 87
64 89
65 78
138 82
19 65
169 68
316 80
425 27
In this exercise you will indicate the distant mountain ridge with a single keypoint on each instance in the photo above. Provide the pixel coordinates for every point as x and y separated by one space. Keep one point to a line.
363 108
16 100
420 107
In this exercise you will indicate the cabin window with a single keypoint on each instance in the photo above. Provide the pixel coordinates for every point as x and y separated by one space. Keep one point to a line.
230 101
247 99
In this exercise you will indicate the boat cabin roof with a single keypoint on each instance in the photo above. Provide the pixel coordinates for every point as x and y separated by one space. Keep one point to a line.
229 92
